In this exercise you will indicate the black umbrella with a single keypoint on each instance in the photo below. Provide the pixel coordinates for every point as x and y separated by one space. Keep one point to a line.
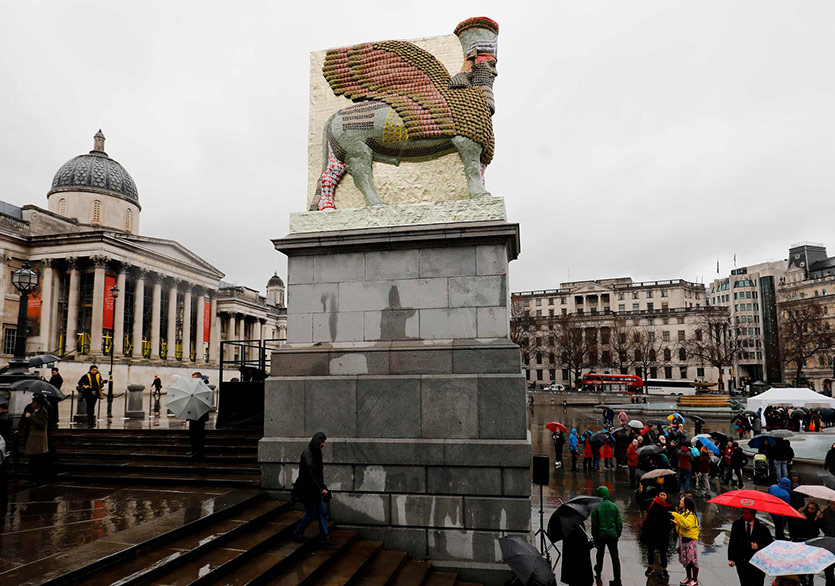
649 450
38 386
822 542
697 418
42 359
570 514
719 436
783 433
529 567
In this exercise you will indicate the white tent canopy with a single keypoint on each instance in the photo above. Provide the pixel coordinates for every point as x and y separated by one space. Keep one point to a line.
790 398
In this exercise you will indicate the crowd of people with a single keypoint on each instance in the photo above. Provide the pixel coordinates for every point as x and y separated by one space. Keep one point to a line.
689 467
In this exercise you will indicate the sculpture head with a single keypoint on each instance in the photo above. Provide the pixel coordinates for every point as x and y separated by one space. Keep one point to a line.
478 37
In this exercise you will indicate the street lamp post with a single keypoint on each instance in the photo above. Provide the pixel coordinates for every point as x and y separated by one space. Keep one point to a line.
114 293
25 280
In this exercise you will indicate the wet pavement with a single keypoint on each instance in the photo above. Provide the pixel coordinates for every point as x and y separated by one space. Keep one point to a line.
54 518
715 521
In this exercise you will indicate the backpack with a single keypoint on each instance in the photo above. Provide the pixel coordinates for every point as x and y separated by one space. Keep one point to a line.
695 452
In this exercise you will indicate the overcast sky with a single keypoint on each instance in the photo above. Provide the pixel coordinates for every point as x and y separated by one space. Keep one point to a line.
643 139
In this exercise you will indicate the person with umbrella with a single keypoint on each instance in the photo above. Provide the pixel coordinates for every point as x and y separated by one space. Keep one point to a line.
310 489
37 443
632 460
606 529
687 528
737 462
747 536
56 380
685 468
585 439
91 386
704 471
655 533
576 554
826 522
781 491
197 429
608 450
782 454
574 448
805 529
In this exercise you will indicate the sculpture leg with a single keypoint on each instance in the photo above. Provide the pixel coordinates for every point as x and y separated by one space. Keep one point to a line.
359 166
470 153
329 180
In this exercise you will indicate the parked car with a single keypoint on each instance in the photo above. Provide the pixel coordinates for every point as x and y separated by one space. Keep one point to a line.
555 388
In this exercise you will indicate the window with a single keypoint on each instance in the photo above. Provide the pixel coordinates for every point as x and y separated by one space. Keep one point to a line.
606 357
9 339
538 358
539 302
526 358
62 207
665 306
649 294
550 301
665 335
682 354
668 372
682 372
679 320
564 311
128 220
699 335
681 335
564 374
651 336
700 372
621 307
538 313
620 296
538 375
650 307
636 306
96 215
668 355
563 301
551 312
653 372
634 295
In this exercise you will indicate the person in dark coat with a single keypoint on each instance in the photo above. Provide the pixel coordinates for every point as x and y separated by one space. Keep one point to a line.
559 442
56 380
576 558
748 536
826 522
91 387
829 463
806 528
6 434
197 430
156 392
310 489
37 445
655 533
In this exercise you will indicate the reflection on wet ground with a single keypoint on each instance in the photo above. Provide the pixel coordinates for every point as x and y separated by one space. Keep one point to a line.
715 521
48 519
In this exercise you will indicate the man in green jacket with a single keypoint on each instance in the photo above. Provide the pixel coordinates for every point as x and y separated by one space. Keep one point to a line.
606 527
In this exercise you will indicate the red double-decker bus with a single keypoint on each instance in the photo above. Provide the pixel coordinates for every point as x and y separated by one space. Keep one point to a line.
612 383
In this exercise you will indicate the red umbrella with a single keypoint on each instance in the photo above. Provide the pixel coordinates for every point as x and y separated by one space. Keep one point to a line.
554 426
754 499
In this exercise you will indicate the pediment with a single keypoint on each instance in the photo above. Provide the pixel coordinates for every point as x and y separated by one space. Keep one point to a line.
171 250
591 289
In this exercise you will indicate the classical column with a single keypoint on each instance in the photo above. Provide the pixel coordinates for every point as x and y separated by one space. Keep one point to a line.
97 319
199 353
72 305
119 314
172 320
187 324
138 311
242 335
214 332
47 286
156 308
231 335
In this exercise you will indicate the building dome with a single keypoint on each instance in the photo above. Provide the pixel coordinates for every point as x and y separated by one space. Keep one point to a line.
95 172
275 281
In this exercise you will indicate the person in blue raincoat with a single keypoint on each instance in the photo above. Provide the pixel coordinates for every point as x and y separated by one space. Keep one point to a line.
574 448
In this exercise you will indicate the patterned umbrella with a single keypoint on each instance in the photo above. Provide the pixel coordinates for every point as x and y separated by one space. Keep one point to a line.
786 558
817 491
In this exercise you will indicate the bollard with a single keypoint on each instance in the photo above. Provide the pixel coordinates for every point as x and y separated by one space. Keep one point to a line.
135 409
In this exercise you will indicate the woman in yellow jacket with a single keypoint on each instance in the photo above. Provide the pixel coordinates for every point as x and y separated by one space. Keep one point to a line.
687 527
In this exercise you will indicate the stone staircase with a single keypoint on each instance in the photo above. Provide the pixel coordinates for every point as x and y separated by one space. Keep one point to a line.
249 542
157 457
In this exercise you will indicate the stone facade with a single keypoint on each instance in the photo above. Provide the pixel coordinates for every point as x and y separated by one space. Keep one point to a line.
398 350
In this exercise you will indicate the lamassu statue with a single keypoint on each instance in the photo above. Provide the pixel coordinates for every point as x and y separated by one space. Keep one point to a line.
409 109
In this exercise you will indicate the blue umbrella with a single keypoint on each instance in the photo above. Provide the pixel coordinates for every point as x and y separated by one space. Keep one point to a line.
706 442
761 439
676 417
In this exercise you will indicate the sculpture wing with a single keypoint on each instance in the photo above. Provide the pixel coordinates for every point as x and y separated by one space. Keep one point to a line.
409 79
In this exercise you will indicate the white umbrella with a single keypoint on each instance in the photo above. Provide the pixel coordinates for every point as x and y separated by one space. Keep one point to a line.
817 491
189 398
635 424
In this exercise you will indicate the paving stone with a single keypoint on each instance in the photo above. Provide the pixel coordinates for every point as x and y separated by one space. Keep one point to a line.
338 268
388 406
373 478
505 514
464 480
284 407
447 261
446 407
331 406
427 510
364 509
392 264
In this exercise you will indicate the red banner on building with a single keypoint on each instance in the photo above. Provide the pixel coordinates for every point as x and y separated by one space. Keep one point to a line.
109 303
33 309
207 320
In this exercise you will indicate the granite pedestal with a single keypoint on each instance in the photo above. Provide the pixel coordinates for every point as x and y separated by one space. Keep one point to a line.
398 350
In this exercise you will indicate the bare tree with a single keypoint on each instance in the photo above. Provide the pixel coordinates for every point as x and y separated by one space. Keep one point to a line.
646 349
570 344
715 340
620 344
804 333
522 321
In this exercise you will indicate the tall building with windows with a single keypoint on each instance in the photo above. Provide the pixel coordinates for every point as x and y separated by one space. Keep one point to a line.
171 310
750 295
667 310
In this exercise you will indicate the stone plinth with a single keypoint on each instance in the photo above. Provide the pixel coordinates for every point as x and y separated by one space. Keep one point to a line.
398 350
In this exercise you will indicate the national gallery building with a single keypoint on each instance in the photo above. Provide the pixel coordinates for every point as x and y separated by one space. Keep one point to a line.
170 310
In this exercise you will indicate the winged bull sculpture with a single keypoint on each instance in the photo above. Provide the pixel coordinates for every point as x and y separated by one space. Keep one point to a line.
409 108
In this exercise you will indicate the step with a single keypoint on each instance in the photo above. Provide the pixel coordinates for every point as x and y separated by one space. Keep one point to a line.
165 558
412 573
344 570
195 467
316 561
232 481
71 456
382 569
441 579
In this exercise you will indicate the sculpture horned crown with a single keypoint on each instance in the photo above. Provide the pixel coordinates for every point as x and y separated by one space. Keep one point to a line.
409 108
